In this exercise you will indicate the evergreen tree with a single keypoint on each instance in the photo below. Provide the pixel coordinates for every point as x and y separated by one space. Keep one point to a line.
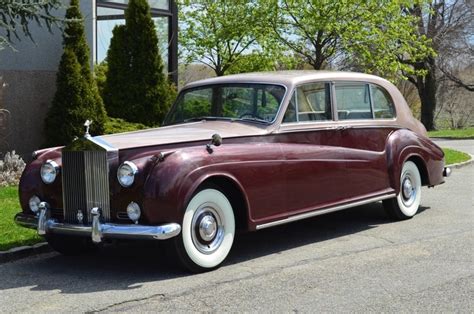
136 88
77 96
74 38
67 114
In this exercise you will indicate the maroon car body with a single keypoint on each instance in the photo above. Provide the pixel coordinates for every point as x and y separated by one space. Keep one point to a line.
299 162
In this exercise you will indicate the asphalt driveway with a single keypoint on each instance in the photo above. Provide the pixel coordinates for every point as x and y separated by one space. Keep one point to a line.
356 261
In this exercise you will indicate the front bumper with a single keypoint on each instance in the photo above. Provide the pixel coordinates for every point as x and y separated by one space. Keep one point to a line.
97 231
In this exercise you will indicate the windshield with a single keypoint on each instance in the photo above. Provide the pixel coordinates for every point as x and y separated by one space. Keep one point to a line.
257 103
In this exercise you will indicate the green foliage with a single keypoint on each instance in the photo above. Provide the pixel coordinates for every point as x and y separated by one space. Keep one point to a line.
136 88
100 76
371 34
219 34
116 125
77 96
12 235
71 105
74 38
452 156
458 133
17 15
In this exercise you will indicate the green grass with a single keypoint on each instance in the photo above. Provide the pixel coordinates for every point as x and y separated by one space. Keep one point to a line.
452 156
12 235
458 133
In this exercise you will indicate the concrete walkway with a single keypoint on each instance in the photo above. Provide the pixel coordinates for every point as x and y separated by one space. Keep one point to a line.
466 146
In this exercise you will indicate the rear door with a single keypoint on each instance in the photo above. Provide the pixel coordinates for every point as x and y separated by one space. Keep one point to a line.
361 109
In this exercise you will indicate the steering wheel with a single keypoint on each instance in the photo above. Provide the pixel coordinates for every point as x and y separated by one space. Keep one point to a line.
249 114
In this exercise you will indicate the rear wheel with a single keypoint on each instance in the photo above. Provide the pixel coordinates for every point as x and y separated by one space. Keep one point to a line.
207 232
408 200
71 246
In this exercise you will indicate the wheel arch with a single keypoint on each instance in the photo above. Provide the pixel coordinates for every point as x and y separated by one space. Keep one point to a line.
231 188
420 164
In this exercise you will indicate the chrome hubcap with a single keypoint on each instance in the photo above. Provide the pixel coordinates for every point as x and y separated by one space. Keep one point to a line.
207 230
207 227
408 191
407 188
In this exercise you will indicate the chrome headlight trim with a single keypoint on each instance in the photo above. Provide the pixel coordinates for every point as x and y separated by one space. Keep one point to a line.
49 171
126 174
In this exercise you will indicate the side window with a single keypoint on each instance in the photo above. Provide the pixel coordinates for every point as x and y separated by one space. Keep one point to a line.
353 101
382 103
314 102
290 114
310 102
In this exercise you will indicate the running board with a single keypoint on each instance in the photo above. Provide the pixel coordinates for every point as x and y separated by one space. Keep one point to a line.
324 211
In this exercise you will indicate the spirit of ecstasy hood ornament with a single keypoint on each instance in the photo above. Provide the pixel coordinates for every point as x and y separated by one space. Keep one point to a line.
87 125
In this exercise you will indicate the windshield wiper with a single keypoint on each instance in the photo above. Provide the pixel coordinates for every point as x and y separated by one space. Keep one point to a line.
206 118
253 119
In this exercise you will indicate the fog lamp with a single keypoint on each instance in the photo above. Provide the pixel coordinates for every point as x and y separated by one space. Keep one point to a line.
34 203
133 212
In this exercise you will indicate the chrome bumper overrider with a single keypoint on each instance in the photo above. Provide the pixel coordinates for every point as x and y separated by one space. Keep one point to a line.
97 231
446 172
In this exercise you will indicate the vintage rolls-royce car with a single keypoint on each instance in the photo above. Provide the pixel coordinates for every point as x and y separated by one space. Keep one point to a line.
241 152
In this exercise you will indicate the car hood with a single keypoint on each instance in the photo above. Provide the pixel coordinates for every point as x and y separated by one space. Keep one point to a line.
189 132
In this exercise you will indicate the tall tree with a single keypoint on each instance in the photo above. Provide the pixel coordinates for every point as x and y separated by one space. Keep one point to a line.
15 17
370 33
70 107
74 38
77 98
220 33
449 26
136 87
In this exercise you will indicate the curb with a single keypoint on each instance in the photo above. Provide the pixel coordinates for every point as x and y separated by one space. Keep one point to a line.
24 251
447 138
462 164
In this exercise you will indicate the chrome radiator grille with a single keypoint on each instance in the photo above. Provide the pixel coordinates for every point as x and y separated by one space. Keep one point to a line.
85 179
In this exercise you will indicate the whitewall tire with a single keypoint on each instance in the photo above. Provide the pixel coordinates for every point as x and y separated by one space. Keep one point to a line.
207 232
408 200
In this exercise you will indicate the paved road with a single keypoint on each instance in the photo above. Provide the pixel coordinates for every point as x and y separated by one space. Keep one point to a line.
353 261
466 146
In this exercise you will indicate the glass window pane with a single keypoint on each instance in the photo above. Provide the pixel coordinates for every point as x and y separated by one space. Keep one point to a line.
314 102
383 105
104 35
101 11
241 101
290 114
353 101
161 25
155 4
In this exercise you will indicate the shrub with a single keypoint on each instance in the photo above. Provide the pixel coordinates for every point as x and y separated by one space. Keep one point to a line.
11 168
117 125
136 88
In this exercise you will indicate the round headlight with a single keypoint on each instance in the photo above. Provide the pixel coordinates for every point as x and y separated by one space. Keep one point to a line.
126 174
34 203
133 211
49 171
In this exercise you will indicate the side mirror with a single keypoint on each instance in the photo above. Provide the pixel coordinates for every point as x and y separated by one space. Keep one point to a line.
216 140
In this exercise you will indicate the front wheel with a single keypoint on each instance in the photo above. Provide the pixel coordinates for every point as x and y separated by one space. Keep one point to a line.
407 202
207 232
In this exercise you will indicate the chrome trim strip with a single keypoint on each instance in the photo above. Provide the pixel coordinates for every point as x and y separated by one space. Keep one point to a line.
324 211
106 230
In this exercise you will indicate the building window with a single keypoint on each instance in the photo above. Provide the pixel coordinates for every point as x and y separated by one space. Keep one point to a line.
164 13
